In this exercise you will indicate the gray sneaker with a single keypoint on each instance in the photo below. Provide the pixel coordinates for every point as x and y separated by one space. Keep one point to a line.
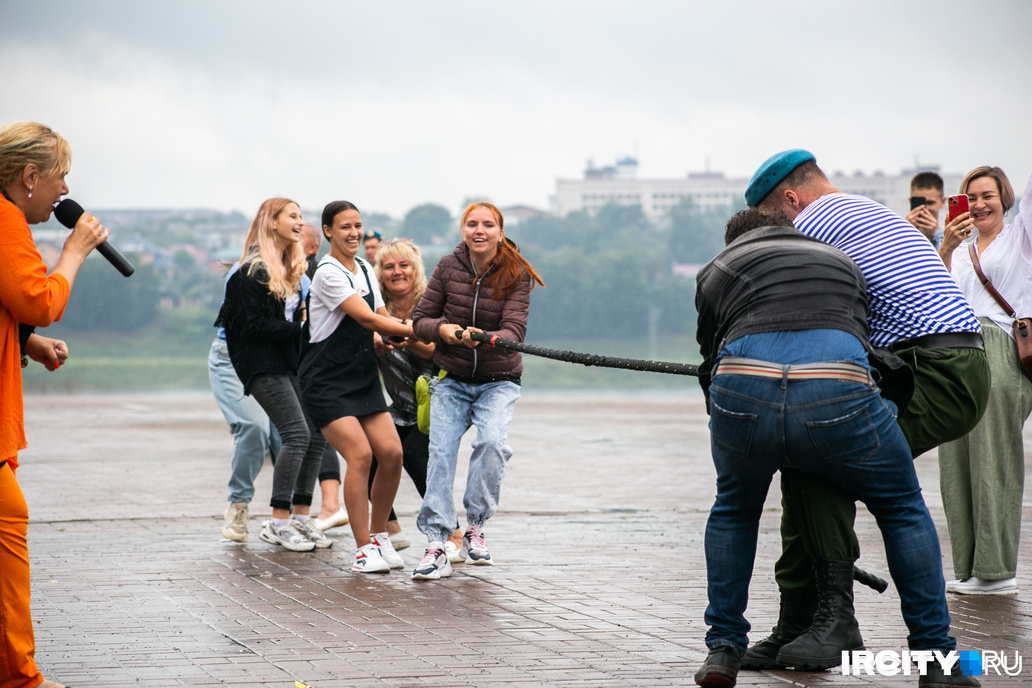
235 526
288 537
313 533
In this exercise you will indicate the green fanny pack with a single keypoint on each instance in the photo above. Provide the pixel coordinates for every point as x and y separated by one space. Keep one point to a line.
423 392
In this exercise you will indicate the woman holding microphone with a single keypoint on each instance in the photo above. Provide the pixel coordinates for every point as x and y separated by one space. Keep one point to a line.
482 286
33 163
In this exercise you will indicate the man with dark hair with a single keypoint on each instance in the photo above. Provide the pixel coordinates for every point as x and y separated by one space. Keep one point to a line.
925 216
371 243
783 332
918 313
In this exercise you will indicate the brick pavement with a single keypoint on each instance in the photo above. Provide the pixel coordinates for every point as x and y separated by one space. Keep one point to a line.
600 579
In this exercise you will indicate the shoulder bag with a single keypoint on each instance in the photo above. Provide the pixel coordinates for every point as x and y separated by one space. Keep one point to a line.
1022 326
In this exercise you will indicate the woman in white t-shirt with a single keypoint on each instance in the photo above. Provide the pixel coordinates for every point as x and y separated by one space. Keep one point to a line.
982 474
340 384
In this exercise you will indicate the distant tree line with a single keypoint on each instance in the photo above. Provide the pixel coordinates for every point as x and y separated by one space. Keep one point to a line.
607 274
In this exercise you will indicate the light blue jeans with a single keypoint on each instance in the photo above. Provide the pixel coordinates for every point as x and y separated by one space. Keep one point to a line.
247 421
455 407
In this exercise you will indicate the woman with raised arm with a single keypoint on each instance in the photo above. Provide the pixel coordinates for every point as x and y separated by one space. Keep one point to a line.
262 315
482 286
33 163
341 386
982 475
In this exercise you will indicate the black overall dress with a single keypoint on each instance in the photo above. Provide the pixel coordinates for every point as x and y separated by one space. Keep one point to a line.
339 375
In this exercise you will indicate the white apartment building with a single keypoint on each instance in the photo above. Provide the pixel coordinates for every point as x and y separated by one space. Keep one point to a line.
620 184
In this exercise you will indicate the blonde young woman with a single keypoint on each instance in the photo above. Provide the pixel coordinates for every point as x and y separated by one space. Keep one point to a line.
34 160
262 315
982 475
341 387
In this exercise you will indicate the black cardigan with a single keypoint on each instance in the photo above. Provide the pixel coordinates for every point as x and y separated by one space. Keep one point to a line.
259 337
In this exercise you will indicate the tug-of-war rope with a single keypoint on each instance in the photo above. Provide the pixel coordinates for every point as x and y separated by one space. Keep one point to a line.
859 575
587 359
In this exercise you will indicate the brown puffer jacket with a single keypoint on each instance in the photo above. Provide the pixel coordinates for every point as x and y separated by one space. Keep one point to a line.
451 298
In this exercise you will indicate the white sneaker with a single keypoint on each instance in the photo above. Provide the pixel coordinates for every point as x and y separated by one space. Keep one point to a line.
335 520
287 537
474 548
434 565
308 529
383 541
369 560
235 526
453 552
979 586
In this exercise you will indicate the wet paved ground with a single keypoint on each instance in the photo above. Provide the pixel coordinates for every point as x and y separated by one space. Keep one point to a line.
599 581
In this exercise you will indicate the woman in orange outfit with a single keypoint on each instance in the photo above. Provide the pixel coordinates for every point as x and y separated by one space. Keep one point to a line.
33 163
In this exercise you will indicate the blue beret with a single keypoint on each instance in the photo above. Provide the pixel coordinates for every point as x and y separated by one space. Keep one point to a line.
772 172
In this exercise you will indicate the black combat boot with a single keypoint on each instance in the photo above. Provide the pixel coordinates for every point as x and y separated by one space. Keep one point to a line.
795 616
834 627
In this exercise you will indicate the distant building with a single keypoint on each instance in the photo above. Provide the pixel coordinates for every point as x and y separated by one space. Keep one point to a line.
514 214
708 190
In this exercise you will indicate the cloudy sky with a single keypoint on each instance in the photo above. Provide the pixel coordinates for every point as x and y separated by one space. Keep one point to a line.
223 103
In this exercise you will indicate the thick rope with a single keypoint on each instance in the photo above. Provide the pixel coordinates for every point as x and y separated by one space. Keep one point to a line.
586 359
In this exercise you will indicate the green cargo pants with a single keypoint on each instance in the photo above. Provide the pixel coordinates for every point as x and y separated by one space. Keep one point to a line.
951 390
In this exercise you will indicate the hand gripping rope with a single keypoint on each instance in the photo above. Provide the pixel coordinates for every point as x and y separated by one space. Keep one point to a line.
586 359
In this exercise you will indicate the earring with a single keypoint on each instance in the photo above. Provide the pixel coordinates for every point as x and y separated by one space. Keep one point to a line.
30 193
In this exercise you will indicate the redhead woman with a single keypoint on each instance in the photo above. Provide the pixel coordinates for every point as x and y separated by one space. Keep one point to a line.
33 163
341 386
262 315
482 286
982 474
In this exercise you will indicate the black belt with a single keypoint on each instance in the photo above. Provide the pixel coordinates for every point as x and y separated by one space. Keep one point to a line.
947 340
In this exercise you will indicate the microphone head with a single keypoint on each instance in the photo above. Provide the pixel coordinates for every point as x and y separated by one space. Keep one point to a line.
68 212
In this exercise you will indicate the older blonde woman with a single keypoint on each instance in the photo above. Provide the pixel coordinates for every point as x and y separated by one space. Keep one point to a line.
982 474
33 163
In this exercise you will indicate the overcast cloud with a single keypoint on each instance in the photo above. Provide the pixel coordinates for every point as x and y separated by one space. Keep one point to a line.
224 103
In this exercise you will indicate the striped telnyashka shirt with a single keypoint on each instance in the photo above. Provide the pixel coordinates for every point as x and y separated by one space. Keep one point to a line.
909 291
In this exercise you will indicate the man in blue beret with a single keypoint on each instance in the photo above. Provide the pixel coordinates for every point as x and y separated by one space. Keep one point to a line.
783 332
918 313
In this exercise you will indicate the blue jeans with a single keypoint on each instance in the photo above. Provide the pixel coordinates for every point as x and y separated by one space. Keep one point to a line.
247 421
845 433
454 407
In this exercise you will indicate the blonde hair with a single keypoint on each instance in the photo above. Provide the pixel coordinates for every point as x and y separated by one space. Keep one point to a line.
30 143
1003 185
404 250
284 270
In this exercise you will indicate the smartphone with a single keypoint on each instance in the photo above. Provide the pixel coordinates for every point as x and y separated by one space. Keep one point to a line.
958 206
917 202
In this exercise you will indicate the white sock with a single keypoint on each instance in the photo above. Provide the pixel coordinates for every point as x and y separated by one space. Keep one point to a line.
280 522
300 518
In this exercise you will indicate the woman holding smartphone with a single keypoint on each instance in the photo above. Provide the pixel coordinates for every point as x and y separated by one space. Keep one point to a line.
262 314
982 475
341 386
484 285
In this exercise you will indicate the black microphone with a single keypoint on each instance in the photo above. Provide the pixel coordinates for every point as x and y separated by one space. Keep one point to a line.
68 213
